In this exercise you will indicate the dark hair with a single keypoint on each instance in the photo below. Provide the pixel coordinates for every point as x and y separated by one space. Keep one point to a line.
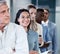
46 9
40 10
18 15
39 15
31 6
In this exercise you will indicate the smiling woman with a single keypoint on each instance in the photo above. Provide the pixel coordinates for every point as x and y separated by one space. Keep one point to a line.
23 19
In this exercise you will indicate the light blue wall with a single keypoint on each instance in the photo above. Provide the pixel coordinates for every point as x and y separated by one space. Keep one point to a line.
49 4
16 5
58 22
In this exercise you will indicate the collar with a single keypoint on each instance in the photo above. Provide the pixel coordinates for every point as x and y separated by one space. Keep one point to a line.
5 28
45 23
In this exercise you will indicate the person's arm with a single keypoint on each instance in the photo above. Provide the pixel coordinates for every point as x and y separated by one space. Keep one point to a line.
36 46
41 31
6 51
41 42
21 46
21 43
54 40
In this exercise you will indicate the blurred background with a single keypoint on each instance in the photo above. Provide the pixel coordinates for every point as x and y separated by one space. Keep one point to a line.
52 5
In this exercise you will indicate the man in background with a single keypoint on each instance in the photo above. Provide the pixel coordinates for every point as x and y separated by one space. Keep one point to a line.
49 33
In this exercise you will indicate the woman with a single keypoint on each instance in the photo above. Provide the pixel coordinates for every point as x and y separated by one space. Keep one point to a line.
34 25
23 19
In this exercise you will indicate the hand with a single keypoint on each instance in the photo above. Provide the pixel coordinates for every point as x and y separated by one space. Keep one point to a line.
40 39
33 52
45 45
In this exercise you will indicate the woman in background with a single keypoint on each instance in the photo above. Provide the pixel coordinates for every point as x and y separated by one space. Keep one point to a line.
23 19
34 25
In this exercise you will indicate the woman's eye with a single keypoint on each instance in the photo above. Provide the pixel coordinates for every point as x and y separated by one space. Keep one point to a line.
22 16
35 13
28 17
31 13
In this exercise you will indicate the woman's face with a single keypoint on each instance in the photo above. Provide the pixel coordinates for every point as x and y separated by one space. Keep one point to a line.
32 12
24 19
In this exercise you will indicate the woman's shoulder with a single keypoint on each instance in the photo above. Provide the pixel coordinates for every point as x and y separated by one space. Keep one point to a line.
39 25
32 32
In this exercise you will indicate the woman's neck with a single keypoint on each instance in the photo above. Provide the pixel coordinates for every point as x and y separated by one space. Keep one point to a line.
25 29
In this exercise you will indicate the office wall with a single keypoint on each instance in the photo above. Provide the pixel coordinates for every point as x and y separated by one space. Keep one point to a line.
18 4
49 4
58 22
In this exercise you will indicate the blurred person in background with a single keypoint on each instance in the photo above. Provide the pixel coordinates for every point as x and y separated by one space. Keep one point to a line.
39 17
49 33
34 25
